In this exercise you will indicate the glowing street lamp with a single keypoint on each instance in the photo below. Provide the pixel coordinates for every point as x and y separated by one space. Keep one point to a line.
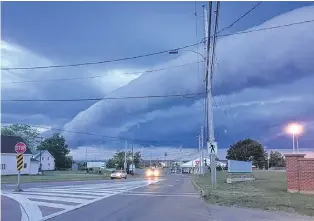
295 129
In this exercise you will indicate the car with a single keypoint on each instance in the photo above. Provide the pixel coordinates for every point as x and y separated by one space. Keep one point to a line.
153 172
118 174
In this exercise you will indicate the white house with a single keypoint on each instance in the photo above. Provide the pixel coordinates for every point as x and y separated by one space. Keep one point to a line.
8 157
46 159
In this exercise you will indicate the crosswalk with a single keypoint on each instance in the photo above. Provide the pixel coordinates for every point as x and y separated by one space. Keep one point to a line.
43 203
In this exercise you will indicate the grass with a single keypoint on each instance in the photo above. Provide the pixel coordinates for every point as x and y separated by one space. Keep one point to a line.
267 192
54 176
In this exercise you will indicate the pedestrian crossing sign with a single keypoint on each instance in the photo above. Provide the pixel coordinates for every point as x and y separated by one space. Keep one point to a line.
212 148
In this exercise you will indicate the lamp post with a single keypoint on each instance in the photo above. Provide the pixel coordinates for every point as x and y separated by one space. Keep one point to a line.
295 129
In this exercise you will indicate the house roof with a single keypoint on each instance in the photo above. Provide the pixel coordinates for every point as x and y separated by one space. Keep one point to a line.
43 151
8 144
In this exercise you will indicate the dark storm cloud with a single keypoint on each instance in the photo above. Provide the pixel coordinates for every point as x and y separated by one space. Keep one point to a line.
266 74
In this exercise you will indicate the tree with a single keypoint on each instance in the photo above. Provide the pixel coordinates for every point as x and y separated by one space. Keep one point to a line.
117 161
58 148
276 159
246 150
30 135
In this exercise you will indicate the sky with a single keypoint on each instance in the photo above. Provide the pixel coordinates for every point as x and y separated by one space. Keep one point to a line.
262 80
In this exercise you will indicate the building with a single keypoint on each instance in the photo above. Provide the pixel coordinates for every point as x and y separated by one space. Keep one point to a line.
193 165
96 165
8 157
46 159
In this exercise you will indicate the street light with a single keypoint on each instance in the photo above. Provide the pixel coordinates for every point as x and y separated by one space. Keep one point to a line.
295 129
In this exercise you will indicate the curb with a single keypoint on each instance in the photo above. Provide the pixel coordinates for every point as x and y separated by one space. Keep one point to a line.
198 188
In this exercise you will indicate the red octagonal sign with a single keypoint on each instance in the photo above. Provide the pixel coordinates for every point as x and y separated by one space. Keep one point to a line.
20 147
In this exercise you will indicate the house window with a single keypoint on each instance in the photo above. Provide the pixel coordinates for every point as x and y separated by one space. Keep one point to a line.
48 158
48 164
42 158
2 166
25 165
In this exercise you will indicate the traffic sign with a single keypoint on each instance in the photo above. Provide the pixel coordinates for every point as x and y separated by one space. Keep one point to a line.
213 149
197 162
20 148
19 162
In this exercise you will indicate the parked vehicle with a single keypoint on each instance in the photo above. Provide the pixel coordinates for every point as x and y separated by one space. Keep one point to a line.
119 174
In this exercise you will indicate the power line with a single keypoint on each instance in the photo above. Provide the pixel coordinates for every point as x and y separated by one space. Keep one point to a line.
188 96
156 53
100 62
101 135
99 76
242 16
268 28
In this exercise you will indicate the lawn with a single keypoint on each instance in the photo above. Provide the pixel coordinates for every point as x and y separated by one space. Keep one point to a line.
55 176
267 192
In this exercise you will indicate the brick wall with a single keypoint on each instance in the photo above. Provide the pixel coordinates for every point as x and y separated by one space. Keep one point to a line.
300 173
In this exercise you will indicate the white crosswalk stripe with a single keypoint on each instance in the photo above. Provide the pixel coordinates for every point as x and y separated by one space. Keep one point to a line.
67 198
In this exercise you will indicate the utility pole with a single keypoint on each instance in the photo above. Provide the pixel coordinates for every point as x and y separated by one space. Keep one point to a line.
125 148
208 88
86 156
199 149
133 166
41 140
202 149
166 159
181 159
150 160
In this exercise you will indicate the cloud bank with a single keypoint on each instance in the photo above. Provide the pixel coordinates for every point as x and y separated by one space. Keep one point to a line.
262 81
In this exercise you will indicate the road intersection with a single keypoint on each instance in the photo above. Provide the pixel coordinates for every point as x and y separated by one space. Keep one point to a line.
42 203
172 197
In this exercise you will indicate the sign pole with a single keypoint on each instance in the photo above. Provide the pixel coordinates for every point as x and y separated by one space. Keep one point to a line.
20 148
18 189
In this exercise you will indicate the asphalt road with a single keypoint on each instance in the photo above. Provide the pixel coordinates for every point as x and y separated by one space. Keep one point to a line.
171 197
167 198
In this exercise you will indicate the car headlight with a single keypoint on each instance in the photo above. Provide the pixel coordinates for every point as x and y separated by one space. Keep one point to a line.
149 173
118 174
156 173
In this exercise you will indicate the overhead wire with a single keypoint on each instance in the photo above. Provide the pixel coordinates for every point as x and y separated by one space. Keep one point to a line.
101 62
155 53
266 28
99 76
241 17
100 135
187 96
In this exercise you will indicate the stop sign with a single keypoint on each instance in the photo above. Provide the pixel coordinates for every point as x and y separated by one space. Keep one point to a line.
20 147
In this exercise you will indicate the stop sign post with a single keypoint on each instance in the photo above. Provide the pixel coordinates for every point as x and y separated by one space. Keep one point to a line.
19 148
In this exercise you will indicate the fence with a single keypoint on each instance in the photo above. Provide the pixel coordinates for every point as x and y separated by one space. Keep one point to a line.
300 173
